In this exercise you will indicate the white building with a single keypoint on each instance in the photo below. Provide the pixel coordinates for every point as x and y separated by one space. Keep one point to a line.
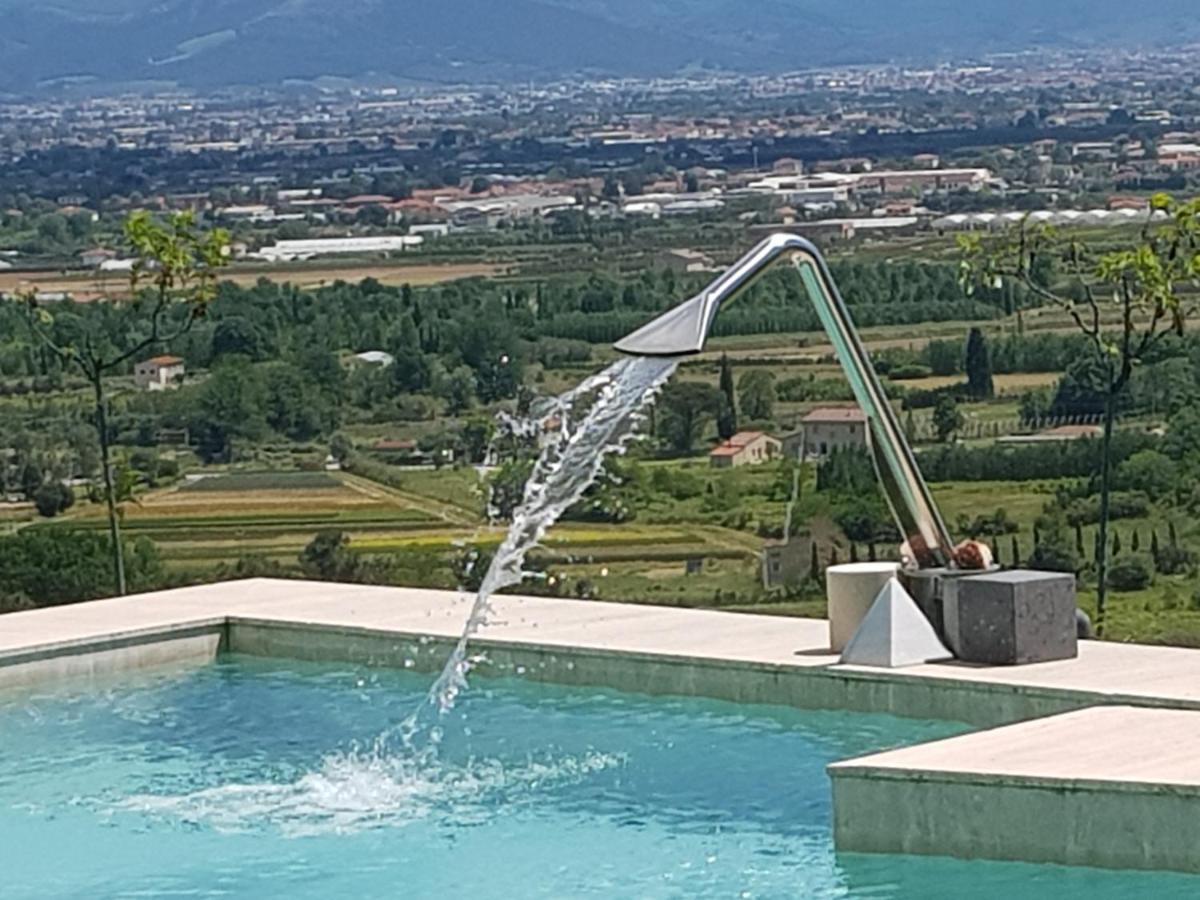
379 358
429 229
93 259
490 211
289 251
159 373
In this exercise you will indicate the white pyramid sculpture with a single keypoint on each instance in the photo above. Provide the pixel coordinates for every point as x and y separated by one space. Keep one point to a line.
894 633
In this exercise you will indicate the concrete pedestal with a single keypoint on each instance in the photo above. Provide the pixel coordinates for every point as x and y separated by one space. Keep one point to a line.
927 587
1013 617
851 589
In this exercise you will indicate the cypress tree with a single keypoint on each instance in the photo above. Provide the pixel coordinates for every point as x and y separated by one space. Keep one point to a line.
833 557
1116 545
996 554
814 565
979 366
1016 552
1154 543
1136 544
727 424
853 552
1171 535
871 553
1079 540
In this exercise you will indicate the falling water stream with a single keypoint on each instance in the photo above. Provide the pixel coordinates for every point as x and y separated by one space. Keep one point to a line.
586 425
401 776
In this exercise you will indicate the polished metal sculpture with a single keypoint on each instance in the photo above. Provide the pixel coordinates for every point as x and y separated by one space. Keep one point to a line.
684 330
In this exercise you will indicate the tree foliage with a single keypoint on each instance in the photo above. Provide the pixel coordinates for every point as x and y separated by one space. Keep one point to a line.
1148 285
684 410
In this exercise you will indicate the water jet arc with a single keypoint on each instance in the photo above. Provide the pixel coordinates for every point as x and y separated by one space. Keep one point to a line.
684 330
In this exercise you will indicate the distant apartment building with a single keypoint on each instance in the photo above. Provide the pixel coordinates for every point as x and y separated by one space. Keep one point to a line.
159 373
251 212
746 448
1179 156
798 190
923 180
489 212
827 429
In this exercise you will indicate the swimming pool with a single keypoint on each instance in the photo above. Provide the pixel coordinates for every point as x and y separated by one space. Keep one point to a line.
253 778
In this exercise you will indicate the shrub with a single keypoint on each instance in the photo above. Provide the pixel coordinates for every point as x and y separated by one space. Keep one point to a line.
809 388
992 525
1148 471
912 371
1131 573
1173 560
865 520
53 498
677 483
1122 505
1052 555
927 399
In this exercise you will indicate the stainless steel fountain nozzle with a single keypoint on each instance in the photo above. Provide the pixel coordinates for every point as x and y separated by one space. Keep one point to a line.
684 330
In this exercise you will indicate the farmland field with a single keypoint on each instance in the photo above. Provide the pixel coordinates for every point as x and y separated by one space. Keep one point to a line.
264 481
238 512
302 275
1008 384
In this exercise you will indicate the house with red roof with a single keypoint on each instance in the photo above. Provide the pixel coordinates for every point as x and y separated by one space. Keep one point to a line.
158 373
746 448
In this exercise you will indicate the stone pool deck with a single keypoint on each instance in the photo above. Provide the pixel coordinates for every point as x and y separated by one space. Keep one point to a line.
1065 771
1108 786
648 648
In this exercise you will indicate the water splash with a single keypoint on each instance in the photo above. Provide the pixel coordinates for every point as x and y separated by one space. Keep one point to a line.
351 792
586 425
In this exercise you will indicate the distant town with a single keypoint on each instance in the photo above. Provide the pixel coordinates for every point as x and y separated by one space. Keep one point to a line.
388 170
399 264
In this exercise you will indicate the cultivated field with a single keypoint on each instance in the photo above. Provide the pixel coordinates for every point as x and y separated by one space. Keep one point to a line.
89 286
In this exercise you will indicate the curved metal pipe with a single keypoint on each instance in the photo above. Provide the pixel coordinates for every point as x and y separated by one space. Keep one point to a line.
684 330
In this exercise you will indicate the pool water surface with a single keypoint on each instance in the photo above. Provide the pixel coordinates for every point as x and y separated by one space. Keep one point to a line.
254 778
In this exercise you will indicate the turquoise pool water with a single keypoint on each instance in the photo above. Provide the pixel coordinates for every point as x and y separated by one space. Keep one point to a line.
256 779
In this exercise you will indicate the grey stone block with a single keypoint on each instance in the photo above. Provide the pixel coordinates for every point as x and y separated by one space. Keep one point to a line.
1013 617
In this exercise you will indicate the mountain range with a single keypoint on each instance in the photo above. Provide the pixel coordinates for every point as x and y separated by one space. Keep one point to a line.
205 43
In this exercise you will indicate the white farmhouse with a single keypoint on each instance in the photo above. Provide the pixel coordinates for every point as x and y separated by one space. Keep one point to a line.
159 373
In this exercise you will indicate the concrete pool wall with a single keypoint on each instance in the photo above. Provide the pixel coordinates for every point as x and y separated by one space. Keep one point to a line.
727 656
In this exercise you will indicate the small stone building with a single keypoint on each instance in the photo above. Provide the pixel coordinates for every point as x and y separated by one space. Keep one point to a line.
827 429
787 564
684 261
